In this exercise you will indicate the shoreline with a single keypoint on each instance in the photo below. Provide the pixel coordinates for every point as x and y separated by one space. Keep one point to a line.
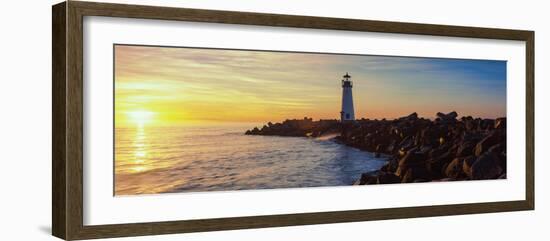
419 149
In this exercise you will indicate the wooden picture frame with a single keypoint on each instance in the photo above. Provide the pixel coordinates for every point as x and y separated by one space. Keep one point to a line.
67 124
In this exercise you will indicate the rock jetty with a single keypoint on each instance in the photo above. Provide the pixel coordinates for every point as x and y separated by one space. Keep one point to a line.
419 149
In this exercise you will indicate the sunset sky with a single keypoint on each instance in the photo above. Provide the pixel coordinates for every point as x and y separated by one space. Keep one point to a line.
165 85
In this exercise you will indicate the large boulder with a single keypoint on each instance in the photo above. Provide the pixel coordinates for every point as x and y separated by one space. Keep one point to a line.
465 149
498 148
487 124
416 173
406 144
447 118
454 169
467 165
437 165
487 166
469 123
411 117
450 115
429 136
490 140
411 159
500 151
436 152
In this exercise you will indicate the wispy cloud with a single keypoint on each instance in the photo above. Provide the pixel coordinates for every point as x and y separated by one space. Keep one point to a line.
261 85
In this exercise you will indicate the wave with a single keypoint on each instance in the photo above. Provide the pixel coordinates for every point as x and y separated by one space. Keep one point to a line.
327 136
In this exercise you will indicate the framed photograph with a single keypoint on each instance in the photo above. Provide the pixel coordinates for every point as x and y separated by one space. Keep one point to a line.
171 120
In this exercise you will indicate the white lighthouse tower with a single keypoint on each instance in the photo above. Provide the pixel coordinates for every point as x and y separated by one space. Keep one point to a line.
347 113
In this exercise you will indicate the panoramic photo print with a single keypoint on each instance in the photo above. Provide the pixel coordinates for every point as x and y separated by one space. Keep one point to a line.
199 119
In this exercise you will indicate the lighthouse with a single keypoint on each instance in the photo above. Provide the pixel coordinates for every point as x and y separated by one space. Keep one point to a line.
347 113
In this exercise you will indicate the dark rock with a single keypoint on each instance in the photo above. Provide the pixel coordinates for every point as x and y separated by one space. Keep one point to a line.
441 140
500 123
492 139
414 173
255 131
497 148
469 123
386 167
472 136
454 168
467 165
487 166
391 147
434 153
429 136
410 117
500 151
487 124
391 166
380 148
437 165
408 176
465 149
369 178
411 159
377 177
447 118
425 150
388 178
406 144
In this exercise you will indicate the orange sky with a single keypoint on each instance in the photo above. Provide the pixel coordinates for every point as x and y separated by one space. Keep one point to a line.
164 85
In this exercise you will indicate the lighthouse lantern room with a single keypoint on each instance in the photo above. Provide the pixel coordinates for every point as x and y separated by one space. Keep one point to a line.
347 113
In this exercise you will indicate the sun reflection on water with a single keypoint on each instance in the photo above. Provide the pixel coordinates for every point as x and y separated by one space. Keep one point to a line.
140 150
138 169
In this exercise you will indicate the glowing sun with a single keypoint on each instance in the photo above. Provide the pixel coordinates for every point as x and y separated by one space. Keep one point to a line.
141 117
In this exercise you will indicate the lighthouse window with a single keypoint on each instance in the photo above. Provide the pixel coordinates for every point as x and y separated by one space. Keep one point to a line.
347 116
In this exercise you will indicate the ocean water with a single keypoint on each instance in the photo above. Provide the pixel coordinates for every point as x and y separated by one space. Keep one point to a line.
221 158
